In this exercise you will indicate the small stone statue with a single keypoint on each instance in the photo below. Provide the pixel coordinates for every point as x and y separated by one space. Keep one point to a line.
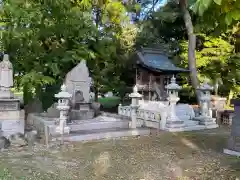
6 74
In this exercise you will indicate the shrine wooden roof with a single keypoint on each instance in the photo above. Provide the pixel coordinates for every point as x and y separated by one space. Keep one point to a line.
155 60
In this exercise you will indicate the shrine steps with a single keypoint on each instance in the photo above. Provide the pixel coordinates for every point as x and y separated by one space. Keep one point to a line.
98 134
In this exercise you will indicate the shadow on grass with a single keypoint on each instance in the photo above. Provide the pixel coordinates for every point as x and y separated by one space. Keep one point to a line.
213 144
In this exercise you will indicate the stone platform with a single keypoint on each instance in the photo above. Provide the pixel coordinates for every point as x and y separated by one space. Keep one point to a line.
101 127
110 133
231 152
191 128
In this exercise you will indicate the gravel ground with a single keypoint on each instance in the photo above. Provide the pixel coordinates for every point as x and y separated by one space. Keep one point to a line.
162 156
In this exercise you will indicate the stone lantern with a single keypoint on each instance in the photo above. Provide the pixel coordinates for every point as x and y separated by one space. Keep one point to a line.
135 96
205 99
205 117
63 106
172 120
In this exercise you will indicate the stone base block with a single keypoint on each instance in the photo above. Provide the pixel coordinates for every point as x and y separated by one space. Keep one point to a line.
205 120
9 104
106 134
231 152
81 114
191 128
6 94
175 124
9 115
10 127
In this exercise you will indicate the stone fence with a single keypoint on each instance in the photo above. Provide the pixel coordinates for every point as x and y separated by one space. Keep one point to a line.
144 117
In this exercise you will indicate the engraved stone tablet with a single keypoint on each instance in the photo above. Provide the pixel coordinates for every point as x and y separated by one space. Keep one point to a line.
234 140
12 126
235 126
9 105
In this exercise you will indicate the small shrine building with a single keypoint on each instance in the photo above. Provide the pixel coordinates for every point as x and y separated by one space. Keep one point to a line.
153 72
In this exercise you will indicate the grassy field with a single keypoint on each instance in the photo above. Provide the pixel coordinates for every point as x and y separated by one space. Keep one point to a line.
162 156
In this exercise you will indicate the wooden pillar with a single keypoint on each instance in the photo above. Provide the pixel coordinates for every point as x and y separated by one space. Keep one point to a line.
161 85
149 89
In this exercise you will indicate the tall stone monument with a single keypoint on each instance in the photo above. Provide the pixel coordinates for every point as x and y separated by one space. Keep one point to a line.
78 84
233 146
10 113
6 77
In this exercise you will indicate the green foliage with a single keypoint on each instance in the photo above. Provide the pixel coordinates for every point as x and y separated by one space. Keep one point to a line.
109 102
44 42
229 9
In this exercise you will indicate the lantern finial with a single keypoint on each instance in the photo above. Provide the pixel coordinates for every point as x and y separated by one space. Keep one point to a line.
63 88
135 89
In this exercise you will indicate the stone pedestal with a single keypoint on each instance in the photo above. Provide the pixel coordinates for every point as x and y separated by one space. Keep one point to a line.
233 145
6 94
81 111
10 117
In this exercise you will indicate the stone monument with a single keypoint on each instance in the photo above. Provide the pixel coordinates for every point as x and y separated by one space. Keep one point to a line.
10 114
6 77
233 147
78 84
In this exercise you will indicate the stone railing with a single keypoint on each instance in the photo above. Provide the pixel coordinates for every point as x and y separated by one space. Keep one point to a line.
124 110
148 115
142 115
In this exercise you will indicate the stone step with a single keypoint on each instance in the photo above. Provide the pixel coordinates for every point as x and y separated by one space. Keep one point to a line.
93 125
105 134
191 123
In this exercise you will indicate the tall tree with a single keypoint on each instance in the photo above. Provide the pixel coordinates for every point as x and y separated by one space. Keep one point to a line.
44 42
191 44
110 20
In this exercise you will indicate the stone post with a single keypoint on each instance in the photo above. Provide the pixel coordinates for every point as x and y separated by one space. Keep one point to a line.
120 109
135 96
63 107
205 117
172 120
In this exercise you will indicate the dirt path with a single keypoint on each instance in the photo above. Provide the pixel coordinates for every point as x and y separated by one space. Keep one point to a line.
181 156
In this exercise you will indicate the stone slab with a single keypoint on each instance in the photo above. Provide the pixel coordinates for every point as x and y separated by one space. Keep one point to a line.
235 131
10 127
5 115
191 128
99 125
81 114
9 104
106 134
231 152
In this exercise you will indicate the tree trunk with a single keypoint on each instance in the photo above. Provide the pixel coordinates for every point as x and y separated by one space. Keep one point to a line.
230 96
191 46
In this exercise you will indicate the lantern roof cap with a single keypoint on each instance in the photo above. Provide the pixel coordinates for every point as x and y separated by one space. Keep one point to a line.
173 85
63 93
135 93
205 87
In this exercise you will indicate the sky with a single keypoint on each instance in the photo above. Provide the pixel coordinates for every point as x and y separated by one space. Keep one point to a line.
158 5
